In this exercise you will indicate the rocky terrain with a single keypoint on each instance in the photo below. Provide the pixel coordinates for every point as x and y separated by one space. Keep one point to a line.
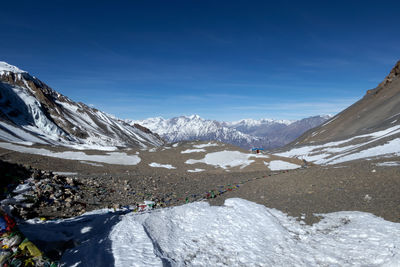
370 186
57 187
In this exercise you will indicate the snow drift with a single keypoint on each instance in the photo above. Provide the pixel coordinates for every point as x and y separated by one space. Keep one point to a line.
240 233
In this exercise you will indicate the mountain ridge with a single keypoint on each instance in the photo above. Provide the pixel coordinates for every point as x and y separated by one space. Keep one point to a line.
374 111
246 133
32 111
368 129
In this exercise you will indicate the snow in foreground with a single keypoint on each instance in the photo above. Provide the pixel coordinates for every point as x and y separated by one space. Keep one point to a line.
240 233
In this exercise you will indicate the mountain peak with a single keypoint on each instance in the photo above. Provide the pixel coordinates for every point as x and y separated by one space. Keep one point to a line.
194 116
246 133
5 67
31 111
394 73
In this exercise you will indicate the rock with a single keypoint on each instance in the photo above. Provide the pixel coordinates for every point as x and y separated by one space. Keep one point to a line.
35 175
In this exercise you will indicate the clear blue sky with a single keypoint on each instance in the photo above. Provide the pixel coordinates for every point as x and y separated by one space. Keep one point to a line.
223 60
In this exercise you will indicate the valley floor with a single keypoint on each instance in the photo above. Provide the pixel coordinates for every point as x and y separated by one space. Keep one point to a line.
371 186
363 185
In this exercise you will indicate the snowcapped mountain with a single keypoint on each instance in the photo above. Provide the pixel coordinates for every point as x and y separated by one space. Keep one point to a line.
196 128
245 133
30 111
276 133
369 128
248 123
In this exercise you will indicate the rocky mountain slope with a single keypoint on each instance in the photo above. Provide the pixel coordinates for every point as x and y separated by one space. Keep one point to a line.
30 111
246 133
368 128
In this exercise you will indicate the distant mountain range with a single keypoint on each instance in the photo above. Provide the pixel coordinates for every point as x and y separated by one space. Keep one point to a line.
30 111
247 133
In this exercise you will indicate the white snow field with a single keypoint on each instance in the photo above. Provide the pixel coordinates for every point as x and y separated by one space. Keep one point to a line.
342 151
158 165
110 157
225 159
277 165
240 233
197 150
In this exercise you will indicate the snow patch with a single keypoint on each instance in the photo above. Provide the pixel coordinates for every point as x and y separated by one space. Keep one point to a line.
277 165
158 165
187 151
5 67
325 153
196 170
225 159
92 163
86 229
388 164
205 145
110 158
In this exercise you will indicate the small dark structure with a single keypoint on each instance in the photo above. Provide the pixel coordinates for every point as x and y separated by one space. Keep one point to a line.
257 150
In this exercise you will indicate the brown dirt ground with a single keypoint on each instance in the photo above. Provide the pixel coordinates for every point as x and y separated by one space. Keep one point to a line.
316 189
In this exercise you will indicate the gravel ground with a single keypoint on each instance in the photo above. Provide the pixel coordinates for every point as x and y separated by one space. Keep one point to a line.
359 185
355 186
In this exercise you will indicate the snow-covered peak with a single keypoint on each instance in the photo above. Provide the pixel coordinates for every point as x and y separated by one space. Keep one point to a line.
194 117
267 133
252 122
327 116
32 111
5 67
193 127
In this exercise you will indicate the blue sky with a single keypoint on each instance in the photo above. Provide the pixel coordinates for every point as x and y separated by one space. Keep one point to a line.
223 60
